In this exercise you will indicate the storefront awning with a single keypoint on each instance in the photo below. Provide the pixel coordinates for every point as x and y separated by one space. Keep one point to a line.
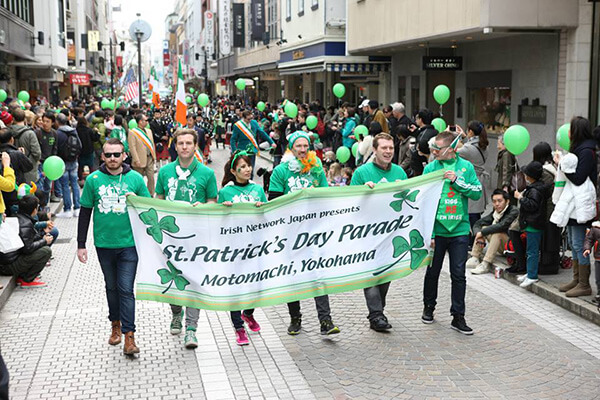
358 67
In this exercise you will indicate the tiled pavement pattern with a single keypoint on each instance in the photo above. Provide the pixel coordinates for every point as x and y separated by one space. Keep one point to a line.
54 342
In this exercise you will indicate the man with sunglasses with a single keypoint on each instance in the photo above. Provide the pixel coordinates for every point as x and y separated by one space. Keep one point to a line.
451 228
105 192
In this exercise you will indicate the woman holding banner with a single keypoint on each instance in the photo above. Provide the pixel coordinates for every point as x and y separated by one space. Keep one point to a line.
238 188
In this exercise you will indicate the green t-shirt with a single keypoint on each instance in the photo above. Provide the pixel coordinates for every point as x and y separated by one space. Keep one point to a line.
249 193
105 193
119 133
199 184
371 172
287 178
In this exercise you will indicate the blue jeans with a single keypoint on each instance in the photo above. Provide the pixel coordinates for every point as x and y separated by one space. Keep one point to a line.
119 267
576 236
43 182
457 248
67 181
534 239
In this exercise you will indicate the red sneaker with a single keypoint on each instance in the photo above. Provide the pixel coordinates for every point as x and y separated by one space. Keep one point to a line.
241 337
34 283
252 324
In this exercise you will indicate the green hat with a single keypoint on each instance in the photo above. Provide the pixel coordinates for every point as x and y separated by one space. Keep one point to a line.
297 135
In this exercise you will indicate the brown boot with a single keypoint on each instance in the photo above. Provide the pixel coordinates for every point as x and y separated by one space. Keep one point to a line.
130 348
583 288
115 335
568 286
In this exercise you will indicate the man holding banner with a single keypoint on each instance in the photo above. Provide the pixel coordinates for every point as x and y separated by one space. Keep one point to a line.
245 135
143 152
188 180
300 170
381 170
451 229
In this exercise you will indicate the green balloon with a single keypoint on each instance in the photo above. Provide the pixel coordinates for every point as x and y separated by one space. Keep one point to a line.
339 90
312 122
291 110
105 103
3 95
112 104
439 124
203 99
342 154
562 137
192 90
361 130
516 139
54 167
441 94
261 106
23 96
188 99
355 149
132 124
240 84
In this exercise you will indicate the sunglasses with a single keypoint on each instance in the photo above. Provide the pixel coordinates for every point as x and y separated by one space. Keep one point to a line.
114 155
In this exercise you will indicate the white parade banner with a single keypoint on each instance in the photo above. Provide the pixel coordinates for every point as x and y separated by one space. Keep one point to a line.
308 243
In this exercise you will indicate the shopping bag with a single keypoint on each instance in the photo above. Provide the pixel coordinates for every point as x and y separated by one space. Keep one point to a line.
9 236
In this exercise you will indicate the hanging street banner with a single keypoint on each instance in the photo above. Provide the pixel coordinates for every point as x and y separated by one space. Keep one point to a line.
209 33
258 19
224 27
239 38
308 243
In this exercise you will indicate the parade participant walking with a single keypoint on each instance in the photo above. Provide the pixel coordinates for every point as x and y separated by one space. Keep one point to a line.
104 193
238 188
245 135
300 170
143 152
379 171
451 228
188 180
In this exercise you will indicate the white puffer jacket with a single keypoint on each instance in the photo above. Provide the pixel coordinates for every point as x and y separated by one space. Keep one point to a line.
572 202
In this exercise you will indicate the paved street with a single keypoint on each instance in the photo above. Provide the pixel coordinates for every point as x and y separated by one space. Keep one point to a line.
54 342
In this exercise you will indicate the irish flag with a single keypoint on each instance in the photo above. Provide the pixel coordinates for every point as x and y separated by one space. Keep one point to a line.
181 106
153 86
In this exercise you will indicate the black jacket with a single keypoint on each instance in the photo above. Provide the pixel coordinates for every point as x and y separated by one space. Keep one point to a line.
586 163
18 161
417 161
87 136
32 240
486 224
158 130
533 205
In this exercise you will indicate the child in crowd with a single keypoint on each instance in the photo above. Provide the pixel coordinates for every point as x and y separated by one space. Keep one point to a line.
347 175
334 175
532 216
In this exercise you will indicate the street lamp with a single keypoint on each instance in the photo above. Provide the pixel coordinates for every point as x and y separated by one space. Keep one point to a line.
140 31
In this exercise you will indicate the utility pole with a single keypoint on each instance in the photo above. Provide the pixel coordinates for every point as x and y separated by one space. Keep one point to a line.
139 46
112 70
140 31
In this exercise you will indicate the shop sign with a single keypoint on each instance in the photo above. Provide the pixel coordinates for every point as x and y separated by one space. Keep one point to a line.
80 79
532 114
258 19
298 55
442 63
225 27
269 76
239 39
209 33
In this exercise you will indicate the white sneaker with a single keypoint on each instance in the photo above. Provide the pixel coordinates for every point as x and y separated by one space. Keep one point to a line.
472 263
528 282
482 268
65 214
76 212
522 278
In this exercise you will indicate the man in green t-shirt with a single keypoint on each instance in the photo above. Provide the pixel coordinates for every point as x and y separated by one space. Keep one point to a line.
451 228
104 195
381 170
300 170
188 180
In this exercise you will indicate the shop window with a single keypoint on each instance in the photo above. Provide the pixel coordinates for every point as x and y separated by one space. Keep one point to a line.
491 106
288 10
401 90
300 8
415 93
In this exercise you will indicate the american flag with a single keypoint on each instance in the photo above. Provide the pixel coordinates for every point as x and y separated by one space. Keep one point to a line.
131 86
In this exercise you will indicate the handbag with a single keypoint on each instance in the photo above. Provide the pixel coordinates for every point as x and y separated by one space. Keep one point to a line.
518 182
9 236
